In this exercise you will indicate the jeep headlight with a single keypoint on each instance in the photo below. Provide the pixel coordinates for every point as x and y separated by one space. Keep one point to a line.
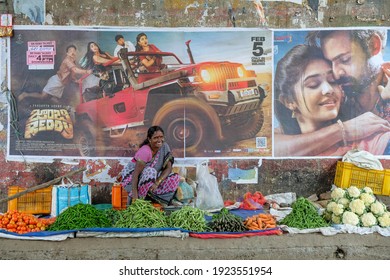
205 74
240 72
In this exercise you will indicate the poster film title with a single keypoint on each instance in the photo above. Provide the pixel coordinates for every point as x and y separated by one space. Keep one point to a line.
258 51
49 120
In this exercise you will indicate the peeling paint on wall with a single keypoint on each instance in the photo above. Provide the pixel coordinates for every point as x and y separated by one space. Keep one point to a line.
33 9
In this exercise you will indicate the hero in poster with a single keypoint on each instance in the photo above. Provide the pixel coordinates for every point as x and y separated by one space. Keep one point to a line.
94 93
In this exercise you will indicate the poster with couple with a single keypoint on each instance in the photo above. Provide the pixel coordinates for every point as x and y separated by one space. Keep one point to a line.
78 96
331 92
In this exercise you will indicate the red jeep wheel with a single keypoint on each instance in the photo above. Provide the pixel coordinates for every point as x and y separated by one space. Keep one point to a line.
88 140
189 125
245 126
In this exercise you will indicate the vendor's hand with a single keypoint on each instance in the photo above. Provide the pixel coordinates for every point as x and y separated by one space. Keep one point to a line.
134 196
153 187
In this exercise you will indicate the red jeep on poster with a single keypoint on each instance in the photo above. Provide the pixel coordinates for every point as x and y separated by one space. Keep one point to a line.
198 105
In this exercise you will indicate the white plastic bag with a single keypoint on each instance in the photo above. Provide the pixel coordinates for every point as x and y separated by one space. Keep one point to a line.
362 159
208 195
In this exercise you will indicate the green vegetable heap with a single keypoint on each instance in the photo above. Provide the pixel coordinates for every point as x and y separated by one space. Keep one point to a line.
112 214
80 216
141 214
226 222
303 216
188 218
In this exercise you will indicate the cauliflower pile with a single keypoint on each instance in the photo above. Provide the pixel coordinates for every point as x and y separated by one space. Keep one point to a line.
357 207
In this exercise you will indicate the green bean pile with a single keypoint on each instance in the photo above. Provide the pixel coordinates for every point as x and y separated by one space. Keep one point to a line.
188 218
80 216
303 216
225 221
141 214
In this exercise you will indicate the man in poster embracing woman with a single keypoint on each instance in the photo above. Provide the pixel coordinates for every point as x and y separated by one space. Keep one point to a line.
356 59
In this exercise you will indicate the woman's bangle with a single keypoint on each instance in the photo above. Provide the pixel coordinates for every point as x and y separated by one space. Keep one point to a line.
158 181
343 133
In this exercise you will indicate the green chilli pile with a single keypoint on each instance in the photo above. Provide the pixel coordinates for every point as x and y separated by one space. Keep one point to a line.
225 221
80 216
141 214
304 215
188 218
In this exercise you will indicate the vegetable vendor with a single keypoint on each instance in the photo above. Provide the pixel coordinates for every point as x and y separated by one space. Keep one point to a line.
149 173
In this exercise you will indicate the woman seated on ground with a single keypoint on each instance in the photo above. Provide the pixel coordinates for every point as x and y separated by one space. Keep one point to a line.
307 98
150 171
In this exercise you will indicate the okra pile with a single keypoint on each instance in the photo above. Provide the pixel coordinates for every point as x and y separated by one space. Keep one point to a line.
188 218
141 214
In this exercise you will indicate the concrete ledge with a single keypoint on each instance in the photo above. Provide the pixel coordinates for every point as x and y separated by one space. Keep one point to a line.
285 247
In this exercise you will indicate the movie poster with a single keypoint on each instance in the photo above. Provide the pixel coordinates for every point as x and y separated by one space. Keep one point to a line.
93 93
331 90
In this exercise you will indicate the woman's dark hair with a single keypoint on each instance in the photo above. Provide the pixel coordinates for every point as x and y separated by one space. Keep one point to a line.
87 61
289 71
137 46
151 131
362 37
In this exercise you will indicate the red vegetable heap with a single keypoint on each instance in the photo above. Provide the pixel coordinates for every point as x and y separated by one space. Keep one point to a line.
19 222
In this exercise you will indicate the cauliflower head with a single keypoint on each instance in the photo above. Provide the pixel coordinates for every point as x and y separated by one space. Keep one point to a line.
367 190
368 219
367 198
344 201
330 206
338 209
357 206
353 192
384 220
350 218
337 193
377 208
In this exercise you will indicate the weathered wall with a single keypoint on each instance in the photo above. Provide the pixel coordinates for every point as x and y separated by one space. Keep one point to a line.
304 176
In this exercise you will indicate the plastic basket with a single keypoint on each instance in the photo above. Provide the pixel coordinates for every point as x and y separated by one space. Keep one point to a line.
119 197
36 202
348 174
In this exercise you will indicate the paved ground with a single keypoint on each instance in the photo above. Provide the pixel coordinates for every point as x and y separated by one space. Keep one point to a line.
285 247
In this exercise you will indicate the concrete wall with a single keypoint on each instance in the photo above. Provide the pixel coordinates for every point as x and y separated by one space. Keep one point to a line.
305 176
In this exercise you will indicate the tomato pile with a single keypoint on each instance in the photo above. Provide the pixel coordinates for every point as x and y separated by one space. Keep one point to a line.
19 222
